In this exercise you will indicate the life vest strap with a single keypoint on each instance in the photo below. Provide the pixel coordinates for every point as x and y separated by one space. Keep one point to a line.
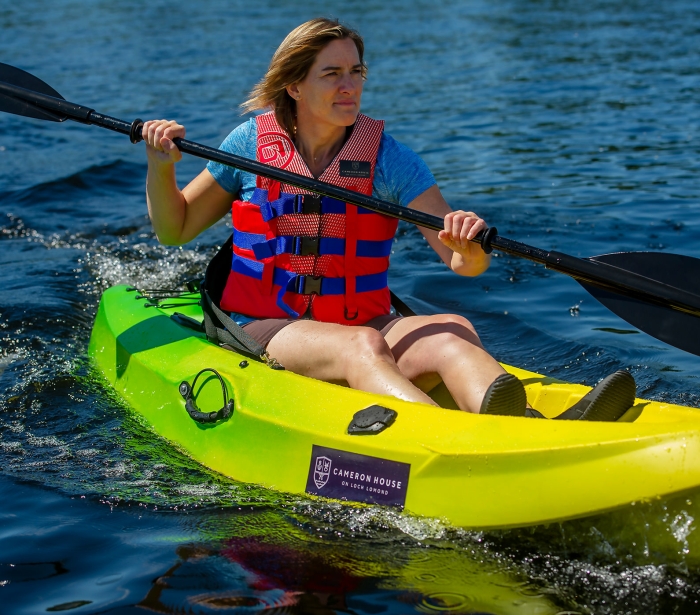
305 246
296 283
351 242
307 284
287 204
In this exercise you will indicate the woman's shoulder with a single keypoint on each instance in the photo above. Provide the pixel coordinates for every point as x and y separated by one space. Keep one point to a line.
394 155
393 152
388 141
241 141
400 174
241 138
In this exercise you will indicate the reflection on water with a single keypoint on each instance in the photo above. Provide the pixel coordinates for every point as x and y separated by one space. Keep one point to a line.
304 573
568 125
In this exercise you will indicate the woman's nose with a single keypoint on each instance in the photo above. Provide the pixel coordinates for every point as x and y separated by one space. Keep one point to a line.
347 83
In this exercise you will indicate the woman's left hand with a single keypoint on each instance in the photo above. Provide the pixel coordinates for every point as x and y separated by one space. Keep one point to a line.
460 228
453 244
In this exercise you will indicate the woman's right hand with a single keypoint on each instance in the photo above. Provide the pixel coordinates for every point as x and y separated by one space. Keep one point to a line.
159 135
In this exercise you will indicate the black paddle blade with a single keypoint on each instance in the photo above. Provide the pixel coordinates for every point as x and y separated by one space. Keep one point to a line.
676 328
10 104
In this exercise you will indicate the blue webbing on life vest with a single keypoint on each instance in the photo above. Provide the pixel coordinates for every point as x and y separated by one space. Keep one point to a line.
288 281
288 204
265 248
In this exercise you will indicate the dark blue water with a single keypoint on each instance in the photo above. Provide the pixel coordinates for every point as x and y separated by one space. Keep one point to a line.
569 125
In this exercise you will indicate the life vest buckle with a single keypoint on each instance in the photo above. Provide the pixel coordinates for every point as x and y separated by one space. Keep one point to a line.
311 204
309 285
309 246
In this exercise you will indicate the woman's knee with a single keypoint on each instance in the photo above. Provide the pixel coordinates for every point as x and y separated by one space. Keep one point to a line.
365 354
453 338
455 343
367 342
453 328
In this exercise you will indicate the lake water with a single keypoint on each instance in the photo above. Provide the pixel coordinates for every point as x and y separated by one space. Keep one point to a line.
569 125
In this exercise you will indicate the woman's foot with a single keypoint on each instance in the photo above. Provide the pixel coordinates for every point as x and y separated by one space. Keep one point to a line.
505 396
608 401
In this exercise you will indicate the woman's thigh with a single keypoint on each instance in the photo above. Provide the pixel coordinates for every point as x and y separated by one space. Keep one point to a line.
323 350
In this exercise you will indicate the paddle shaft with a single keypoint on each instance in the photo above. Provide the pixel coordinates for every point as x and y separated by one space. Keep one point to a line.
583 270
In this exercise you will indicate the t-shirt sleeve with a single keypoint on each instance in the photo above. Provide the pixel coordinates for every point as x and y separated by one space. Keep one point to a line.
241 142
400 174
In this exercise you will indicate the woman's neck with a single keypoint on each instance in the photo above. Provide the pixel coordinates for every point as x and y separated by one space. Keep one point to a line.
319 144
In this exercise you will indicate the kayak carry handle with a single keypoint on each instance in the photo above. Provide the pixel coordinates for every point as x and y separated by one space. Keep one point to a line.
191 405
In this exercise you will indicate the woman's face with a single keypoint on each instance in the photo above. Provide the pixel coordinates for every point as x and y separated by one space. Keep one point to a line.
332 89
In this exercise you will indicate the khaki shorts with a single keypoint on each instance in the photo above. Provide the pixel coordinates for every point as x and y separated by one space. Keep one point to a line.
262 331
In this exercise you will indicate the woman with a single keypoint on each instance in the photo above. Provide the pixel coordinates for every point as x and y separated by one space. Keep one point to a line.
308 276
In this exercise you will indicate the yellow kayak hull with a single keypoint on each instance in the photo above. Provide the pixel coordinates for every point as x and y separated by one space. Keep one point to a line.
473 471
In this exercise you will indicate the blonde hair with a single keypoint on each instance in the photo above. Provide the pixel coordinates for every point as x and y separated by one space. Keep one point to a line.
292 62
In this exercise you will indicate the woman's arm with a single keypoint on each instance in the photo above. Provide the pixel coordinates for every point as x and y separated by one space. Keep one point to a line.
453 244
178 216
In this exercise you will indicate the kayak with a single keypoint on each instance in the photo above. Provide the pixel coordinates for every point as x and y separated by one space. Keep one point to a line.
294 434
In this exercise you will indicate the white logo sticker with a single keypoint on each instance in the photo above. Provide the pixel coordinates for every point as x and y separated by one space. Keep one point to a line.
322 471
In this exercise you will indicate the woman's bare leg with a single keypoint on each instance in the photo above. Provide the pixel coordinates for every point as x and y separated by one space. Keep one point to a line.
444 347
335 353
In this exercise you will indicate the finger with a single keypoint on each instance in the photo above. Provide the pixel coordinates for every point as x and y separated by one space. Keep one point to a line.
153 132
146 131
447 222
158 135
457 221
171 149
460 227
174 130
476 228
446 239
158 145
465 231
448 228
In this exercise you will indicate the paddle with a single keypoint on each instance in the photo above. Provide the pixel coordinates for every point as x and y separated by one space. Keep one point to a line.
657 293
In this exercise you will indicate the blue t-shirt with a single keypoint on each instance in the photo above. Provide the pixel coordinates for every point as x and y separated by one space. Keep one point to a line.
399 176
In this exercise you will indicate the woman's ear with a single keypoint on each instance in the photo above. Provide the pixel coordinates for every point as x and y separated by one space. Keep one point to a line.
293 91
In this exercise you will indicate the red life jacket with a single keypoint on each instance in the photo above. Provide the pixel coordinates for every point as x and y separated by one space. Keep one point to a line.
294 251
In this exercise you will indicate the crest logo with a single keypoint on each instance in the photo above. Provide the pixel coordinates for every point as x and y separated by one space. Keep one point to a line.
275 148
355 165
322 471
